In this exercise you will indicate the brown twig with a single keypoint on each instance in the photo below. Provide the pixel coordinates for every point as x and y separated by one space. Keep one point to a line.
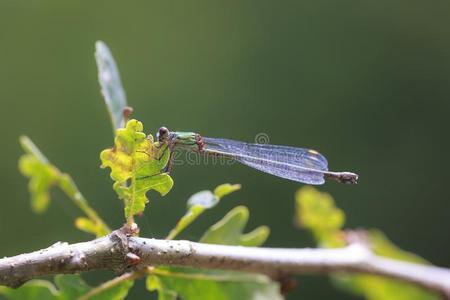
120 250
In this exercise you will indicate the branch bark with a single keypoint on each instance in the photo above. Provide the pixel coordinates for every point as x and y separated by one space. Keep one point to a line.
120 251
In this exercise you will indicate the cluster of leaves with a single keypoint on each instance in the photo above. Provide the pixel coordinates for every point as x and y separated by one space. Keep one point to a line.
317 212
43 176
190 283
137 163
171 282
66 287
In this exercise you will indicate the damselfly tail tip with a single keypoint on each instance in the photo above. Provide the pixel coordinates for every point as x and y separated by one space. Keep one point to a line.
343 177
349 178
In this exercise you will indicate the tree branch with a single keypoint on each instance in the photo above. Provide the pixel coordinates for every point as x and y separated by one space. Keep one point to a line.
120 251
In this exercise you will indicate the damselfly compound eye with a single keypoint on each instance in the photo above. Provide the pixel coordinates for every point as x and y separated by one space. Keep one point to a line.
163 134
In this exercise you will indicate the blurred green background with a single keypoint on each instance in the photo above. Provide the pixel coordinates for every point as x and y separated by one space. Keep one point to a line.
364 82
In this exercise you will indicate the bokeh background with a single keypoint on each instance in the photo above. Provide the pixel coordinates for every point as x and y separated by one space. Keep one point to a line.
364 82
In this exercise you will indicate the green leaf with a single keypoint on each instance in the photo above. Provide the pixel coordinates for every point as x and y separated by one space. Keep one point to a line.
316 211
381 245
198 284
199 202
117 292
70 286
379 288
136 164
190 216
66 287
228 231
32 290
376 287
89 226
191 284
111 85
154 283
43 176
225 189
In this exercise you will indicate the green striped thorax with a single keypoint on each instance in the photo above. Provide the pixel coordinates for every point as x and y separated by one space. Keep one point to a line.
180 139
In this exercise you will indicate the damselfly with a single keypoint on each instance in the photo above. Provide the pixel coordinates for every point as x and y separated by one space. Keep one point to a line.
297 164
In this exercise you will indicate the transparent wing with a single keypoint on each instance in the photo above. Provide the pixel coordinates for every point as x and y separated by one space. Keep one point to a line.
297 164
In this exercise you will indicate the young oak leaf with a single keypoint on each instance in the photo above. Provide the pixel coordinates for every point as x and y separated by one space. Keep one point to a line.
190 283
228 231
111 85
65 287
195 284
225 189
378 287
91 226
136 164
44 175
317 212
198 203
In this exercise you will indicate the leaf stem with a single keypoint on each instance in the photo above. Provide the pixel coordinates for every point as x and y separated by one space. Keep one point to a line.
69 187
66 184
112 283
130 217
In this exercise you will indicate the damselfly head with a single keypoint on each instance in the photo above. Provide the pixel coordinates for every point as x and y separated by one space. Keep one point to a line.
163 134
